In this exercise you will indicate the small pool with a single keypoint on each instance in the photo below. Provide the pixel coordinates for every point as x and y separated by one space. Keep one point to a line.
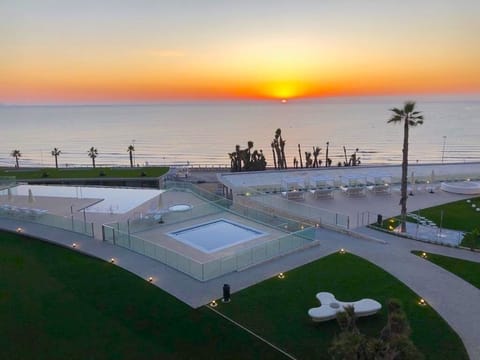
180 207
216 235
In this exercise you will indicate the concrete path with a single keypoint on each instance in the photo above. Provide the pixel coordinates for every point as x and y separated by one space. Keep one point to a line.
453 298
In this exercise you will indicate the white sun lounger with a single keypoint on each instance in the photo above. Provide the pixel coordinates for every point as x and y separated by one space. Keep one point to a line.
331 306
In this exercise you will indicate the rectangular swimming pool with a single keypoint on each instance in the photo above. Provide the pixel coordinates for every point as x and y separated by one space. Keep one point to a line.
113 200
216 235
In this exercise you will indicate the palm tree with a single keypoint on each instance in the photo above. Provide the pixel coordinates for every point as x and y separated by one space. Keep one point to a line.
130 151
409 117
16 154
56 152
93 153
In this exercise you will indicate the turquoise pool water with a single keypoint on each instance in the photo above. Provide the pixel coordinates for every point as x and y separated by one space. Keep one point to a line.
216 235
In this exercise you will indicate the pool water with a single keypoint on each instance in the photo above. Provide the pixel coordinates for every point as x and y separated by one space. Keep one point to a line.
216 235
113 200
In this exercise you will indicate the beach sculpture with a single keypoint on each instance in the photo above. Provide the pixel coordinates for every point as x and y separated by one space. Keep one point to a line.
278 149
328 161
308 159
354 159
312 162
300 154
246 159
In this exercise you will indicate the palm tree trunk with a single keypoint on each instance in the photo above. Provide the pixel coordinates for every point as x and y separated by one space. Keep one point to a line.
131 159
403 199
93 162
16 160
274 157
300 154
56 162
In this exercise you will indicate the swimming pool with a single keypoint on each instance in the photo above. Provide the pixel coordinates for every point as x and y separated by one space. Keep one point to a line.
216 235
114 200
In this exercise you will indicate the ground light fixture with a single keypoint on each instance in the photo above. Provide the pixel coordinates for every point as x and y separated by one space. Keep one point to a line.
20 230
422 302
342 251
112 260
74 245
424 255
213 304
281 275
150 279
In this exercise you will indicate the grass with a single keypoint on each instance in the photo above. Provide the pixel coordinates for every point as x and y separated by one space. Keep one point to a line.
84 173
58 304
458 215
277 309
467 270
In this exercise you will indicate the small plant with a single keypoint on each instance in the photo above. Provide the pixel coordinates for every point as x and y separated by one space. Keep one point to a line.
44 174
471 239
102 173
143 174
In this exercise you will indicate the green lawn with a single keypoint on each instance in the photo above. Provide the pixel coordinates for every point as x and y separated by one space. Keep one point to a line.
458 215
58 304
77 173
467 270
277 309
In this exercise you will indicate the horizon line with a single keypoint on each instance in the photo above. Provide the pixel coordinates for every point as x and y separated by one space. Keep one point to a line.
466 96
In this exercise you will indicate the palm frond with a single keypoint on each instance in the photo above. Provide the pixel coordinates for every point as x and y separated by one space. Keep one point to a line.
409 106
394 119
397 111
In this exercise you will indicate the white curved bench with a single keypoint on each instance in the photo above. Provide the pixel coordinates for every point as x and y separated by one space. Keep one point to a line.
329 307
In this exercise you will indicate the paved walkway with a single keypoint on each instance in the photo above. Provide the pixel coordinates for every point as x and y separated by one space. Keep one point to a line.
454 299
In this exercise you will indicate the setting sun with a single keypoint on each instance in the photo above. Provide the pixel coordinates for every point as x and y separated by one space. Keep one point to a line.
284 90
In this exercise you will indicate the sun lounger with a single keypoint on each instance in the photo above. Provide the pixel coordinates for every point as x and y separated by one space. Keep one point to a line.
293 195
379 189
329 307
353 191
322 193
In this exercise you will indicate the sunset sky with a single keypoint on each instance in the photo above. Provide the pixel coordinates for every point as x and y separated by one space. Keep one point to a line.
91 51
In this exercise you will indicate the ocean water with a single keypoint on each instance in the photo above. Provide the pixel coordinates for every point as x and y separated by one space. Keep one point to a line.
202 134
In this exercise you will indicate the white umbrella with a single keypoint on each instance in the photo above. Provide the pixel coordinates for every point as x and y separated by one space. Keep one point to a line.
30 196
160 202
432 180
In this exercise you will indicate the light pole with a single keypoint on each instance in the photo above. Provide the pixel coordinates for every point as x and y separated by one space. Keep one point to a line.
443 150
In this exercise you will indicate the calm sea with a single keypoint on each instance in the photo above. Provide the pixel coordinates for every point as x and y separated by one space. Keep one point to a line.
204 133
